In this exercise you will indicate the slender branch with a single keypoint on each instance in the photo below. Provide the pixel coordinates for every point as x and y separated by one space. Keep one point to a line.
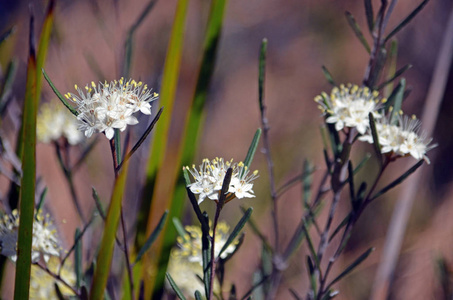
58 277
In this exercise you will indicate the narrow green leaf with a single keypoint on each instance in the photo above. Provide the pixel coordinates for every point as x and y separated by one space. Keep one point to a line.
59 95
175 287
117 139
358 32
295 295
58 292
313 277
78 258
369 14
328 76
252 149
257 231
262 73
307 180
198 295
28 182
396 75
340 226
6 34
237 229
406 20
42 197
313 253
362 163
128 45
206 254
99 205
104 258
180 229
361 193
397 101
7 85
351 266
152 237
376 144
142 138
294 243
398 180
225 187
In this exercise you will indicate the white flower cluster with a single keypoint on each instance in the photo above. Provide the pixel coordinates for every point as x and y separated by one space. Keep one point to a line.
403 138
349 106
54 122
110 106
45 242
210 175
186 260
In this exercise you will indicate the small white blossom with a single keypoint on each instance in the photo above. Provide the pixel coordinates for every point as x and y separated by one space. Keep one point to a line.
109 106
45 242
349 107
403 138
54 122
210 175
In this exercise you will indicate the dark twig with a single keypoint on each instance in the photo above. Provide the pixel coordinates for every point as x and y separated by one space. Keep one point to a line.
58 277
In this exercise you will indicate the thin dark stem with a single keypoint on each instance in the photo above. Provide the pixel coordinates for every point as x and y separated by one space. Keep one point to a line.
58 277
213 258
68 175
123 223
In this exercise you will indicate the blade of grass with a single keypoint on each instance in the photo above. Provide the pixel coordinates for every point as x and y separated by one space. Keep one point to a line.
175 287
42 197
28 182
59 95
104 258
252 149
328 75
396 75
165 185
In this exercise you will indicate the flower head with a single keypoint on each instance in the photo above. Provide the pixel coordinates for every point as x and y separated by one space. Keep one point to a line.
210 175
402 138
45 242
42 285
109 106
349 106
54 122
186 260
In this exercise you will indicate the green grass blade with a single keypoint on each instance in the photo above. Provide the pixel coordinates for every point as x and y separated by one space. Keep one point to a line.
44 45
397 74
180 229
42 197
175 287
376 144
152 236
237 229
104 258
262 73
252 149
406 20
28 182
187 148
358 32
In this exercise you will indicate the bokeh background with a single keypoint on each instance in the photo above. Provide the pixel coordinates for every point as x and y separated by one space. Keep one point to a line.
88 45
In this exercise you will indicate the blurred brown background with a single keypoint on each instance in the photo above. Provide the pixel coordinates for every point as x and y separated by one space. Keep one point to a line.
87 44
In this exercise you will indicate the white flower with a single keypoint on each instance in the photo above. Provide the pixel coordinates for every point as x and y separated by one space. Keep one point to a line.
109 106
186 260
210 175
45 242
403 138
54 122
349 107
42 285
